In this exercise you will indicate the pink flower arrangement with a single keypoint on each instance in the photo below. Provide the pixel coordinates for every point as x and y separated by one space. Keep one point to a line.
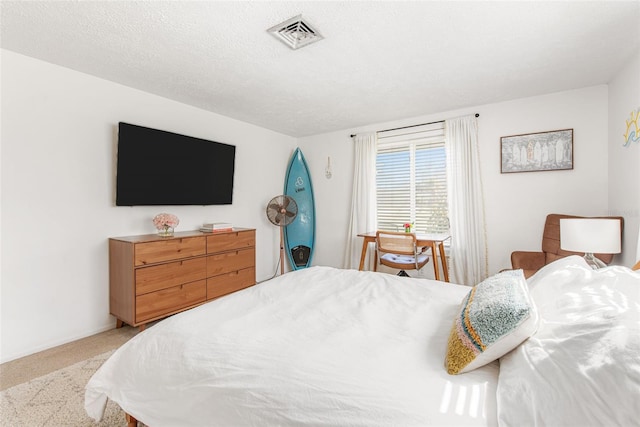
163 221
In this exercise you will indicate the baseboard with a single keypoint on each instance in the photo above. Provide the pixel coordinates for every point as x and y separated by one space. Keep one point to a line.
4 358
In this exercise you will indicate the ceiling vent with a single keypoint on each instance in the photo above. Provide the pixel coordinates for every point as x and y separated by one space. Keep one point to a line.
295 32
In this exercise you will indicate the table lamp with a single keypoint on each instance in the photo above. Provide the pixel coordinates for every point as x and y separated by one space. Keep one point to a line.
589 236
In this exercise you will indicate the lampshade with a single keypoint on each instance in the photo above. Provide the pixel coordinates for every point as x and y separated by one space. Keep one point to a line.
590 235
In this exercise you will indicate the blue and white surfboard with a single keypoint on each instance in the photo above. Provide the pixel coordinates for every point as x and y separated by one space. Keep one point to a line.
300 235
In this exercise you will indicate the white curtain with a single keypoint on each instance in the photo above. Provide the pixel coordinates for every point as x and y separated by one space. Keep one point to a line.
363 199
469 262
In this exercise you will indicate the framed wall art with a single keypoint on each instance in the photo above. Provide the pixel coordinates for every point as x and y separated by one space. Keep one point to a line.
541 151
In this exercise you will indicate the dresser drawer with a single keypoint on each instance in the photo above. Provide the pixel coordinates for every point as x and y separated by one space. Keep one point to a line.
170 300
168 250
230 282
230 241
227 262
162 276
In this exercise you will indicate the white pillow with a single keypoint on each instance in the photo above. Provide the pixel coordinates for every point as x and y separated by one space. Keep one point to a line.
494 318
582 366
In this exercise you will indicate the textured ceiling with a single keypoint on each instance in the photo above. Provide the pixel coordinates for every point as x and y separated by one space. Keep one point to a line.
378 61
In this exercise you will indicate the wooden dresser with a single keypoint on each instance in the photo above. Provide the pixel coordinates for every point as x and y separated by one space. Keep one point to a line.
152 277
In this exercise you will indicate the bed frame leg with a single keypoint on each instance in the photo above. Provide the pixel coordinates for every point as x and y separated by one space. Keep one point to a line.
131 422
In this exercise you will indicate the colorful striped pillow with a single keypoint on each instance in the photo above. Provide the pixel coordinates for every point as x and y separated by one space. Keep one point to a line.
496 316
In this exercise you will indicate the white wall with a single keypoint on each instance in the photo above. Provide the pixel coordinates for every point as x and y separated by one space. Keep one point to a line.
58 158
516 204
624 161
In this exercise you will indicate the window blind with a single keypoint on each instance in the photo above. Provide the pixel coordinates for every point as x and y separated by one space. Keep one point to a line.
411 183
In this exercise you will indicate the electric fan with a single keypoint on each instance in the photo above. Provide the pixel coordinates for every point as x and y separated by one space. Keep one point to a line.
281 211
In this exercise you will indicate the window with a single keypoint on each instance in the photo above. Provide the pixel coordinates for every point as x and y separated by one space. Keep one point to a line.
411 179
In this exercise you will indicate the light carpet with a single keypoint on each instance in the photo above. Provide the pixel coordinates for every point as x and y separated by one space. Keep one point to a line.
56 399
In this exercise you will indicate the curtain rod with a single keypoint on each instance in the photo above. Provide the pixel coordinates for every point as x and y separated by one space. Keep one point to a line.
412 126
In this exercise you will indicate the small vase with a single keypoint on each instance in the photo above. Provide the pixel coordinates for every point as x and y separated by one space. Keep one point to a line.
165 232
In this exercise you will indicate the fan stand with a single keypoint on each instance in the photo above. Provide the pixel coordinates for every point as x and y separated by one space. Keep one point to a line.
281 250
281 211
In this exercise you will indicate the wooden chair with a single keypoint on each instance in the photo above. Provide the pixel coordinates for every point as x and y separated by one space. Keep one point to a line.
398 250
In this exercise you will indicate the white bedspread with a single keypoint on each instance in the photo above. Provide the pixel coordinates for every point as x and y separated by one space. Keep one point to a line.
582 366
319 346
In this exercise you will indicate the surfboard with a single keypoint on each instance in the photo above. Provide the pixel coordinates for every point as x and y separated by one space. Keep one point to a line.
300 235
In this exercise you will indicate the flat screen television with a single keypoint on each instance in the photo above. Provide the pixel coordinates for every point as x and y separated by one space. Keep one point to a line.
156 167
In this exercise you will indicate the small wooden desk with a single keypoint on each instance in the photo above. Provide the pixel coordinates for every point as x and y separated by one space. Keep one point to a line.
432 240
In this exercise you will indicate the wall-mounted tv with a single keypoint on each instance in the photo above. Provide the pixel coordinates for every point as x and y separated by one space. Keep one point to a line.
156 167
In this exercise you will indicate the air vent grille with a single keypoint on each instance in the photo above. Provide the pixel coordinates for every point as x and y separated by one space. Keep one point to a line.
295 32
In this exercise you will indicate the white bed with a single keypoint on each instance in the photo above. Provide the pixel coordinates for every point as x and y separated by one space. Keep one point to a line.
324 346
